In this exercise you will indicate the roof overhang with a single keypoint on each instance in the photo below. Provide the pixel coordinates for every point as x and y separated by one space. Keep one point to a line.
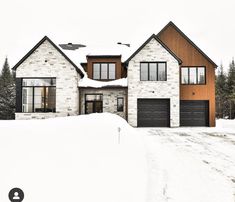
45 38
153 36
187 39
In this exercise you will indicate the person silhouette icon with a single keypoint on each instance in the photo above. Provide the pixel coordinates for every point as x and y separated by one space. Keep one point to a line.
16 196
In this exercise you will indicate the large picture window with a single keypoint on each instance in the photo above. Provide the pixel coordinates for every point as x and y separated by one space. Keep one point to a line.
193 75
104 71
39 95
153 71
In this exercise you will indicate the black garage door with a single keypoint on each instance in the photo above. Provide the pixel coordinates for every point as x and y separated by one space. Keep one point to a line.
194 113
153 113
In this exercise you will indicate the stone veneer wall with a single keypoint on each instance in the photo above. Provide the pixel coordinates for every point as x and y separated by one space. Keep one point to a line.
153 52
109 99
46 61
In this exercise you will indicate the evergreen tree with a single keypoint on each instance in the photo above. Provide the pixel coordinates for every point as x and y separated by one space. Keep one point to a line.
7 92
221 93
231 78
231 89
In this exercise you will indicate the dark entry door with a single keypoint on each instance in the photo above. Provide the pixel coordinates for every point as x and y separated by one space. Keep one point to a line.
93 107
153 113
194 113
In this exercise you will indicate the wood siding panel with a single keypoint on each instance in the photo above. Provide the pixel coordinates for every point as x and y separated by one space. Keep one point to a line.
190 56
120 69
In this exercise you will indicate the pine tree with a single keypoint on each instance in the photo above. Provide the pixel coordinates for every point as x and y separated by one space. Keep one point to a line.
231 89
221 93
7 92
231 78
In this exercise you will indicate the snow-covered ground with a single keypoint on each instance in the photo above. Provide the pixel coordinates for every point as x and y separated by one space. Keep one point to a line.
191 164
82 159
73 159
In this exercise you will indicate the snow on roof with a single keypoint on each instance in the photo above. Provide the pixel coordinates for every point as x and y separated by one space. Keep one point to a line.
115 49
80 55
86 82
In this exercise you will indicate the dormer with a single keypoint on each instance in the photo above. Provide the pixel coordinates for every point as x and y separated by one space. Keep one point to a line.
104 67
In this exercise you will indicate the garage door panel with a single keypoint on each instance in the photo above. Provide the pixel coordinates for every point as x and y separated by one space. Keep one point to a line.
194 113
153 112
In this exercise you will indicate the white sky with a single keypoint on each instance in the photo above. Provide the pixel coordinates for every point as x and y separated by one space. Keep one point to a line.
210 24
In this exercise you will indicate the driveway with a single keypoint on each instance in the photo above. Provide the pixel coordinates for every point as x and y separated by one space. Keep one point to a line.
191 164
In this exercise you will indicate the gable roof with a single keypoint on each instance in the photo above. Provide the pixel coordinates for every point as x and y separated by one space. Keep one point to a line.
187 39
45 38
153 36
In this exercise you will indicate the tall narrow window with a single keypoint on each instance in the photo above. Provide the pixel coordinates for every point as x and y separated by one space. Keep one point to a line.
153 71
104 71
184 75
161 71
193 75
112 71
27 99
144 71
201 75
120 104
39 95
96 71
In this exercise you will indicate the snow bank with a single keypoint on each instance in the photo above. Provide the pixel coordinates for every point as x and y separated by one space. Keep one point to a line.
225 124
73 159
86 82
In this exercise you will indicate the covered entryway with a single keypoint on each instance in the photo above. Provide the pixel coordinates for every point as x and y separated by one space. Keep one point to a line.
153 112
194 113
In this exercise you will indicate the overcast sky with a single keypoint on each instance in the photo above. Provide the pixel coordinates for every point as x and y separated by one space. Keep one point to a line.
209 24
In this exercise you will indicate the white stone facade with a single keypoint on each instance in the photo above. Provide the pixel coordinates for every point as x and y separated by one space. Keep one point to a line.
46 61
109 99
153 52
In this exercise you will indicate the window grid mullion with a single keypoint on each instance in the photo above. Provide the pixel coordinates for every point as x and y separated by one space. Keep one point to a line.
44 98
108 71
188 76
100 71
33 99
157 71
148 73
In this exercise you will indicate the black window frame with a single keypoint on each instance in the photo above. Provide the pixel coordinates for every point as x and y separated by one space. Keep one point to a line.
94 101
157 76
188 67
100 64
33 94
122 108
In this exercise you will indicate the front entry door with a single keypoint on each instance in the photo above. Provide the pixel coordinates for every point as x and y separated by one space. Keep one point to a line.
93 107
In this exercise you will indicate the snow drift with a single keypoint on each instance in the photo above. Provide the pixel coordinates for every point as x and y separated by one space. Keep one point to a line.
73 159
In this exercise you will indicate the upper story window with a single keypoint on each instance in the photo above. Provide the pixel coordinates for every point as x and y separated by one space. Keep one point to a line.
39 95
104 71
193 75
153 71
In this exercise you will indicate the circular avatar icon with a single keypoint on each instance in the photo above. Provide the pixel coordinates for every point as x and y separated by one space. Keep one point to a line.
16 195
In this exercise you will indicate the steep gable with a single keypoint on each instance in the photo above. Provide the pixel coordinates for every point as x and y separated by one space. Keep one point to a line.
53 44
182 46
153 36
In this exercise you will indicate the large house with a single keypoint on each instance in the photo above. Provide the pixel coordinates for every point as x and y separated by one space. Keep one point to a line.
167 82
